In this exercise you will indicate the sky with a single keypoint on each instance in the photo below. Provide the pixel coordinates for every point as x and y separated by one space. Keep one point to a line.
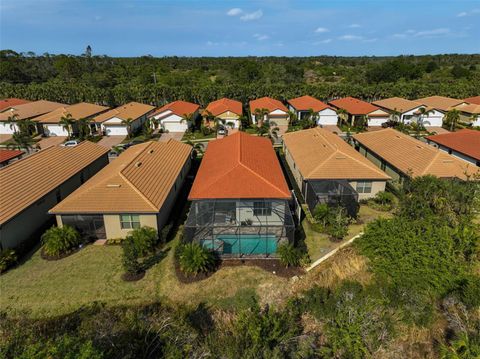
241 28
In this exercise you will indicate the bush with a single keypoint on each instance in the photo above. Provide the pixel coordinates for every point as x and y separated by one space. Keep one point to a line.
383 201
332 220
145 239
290 256
195 259
469 291
7 258
60 240
130 257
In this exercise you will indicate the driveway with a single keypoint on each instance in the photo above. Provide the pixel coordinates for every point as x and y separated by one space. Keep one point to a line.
51 141
437 130
111 141
4 137
171 135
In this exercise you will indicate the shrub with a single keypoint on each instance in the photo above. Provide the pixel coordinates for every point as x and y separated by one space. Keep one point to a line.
195 259
469 291
7 258
60 240
383 201
145 238
332 220
290 256
130 255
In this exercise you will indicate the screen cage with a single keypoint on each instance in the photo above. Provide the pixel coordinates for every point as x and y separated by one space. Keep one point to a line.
332 193
239 227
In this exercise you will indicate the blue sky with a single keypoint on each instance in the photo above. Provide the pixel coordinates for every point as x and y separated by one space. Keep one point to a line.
239 28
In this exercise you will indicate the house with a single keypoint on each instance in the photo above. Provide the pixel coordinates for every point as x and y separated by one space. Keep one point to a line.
270 111
25 111
406 110
112 124
50 123
469 114
228 111
473 100
402 156
328 170
358 110
437 107
8 103
464 144
138 189
301 106
34 184
9 155
176 116
240 199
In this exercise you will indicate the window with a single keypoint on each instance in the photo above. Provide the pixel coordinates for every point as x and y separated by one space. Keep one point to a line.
129 221
364 187
262 208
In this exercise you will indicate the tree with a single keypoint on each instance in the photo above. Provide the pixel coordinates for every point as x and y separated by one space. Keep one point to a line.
452 117
342 115
292 118
127 122
148 129
188 119
395 116
84 129
424 112
67 123
21 141
260 114
12 122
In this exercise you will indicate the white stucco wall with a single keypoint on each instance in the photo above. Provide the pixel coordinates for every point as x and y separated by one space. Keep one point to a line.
171 122
377 121
54 130
435 118
5 128
327 117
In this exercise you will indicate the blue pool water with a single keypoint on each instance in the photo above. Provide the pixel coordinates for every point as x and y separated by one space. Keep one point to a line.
243 244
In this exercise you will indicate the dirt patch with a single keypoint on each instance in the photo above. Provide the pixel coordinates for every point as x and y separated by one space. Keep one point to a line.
129 277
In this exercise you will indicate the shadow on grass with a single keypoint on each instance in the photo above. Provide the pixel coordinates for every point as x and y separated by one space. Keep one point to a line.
155 258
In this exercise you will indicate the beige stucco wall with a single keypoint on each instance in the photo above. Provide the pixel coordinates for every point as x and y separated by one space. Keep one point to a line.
114 230
293 167
377 186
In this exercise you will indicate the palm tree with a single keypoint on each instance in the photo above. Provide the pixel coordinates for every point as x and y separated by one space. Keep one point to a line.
128 124
147 129
424 112
395 116
67 123
473 118
452 118
342 115
84 129
21 141
188 118
209 117
197 146
292 118
260 114
12 122
312 117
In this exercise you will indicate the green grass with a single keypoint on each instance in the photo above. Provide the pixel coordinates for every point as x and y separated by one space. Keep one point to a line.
141 138
198 135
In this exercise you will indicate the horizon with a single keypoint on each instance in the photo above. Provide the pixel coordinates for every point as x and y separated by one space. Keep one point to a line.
268 28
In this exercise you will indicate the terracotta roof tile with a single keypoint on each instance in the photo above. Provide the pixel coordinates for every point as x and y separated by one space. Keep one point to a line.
355 106
223 105
7 155
412 156
397 104
139 180
475 100
11 102
465 141
268 103
78 111
31 110
305 103
441 103
239 166
179 108
320 154
131 110
27 180
471 108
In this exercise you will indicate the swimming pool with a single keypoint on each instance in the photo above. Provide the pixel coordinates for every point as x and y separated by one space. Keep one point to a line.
247 244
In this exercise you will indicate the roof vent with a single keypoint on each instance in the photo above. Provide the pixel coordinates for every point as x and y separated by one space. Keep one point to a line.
113 185
151 151
418 146
138 164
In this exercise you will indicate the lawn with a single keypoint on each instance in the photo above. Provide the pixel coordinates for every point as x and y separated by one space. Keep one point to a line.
198 135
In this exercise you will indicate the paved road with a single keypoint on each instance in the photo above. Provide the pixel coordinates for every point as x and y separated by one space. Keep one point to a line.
111 141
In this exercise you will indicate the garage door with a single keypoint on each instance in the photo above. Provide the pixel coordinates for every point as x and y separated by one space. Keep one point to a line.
377 121
435 121
116 130
174 126
278 121
327 120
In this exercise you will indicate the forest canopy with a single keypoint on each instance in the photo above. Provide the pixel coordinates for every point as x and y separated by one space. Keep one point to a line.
114 81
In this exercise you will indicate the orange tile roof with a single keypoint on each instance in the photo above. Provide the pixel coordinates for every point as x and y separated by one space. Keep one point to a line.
131 110
354 106
11 102
414 157
138 181
305 103
239 166
29 179
471 108
320 154
441 103
397 104
31 110
7 155
465 141
223 105
475 100
78 111
179 108
266 102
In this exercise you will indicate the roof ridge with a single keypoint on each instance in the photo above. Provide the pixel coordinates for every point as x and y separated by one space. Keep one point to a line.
261 177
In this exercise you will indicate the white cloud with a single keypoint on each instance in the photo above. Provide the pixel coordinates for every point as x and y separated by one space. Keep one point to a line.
350 37
261 37
321 30
354 26
234 12
399 36
462 14
468 13
433 32
321 42
252 16
370 40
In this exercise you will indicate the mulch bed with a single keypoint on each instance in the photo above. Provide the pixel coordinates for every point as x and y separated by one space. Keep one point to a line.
61 256
270 265
128 277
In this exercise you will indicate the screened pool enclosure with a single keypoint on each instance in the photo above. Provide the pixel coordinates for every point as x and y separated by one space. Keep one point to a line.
240 228
333 193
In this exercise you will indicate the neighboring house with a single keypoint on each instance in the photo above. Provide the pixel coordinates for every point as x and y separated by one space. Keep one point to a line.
229 111
357 109
172 116
438 106
328 170
402 156
464 144
240 199
34 184
138 189
8 155
469 114
276 113
111 122
26 111
8 103
50 123
301 106
406 109
474 100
